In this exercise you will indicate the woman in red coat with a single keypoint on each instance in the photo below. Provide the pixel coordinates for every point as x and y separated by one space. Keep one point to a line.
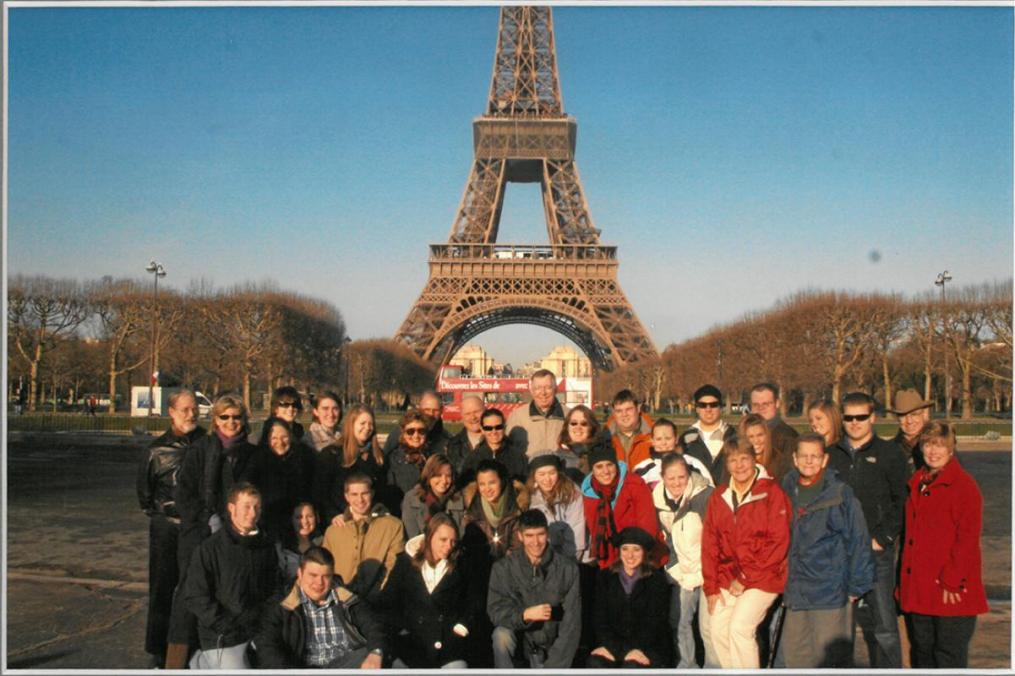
614 499
941 588
744 544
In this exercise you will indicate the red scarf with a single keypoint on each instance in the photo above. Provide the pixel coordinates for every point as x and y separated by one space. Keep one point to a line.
602 544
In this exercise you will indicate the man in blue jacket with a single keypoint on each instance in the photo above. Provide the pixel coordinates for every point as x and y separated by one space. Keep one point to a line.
830 562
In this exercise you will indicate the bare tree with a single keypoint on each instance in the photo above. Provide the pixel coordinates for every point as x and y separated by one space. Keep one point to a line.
963 318
249 320
122 310
41 312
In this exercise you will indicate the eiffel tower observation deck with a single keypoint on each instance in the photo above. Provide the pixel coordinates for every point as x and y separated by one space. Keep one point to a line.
568 285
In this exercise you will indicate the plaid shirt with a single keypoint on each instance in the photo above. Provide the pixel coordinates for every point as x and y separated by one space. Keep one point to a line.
327 639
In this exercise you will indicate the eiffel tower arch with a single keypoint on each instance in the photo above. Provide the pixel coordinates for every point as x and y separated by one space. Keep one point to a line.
569 285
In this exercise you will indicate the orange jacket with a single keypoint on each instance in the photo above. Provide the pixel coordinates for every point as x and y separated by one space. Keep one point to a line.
641 446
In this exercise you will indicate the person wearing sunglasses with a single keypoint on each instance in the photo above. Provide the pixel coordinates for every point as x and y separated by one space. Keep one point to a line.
210 469
876 471
704 438
286 404
431 406
581 433
406 462
496 445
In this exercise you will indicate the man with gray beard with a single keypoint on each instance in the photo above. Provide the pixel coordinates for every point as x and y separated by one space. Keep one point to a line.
156 482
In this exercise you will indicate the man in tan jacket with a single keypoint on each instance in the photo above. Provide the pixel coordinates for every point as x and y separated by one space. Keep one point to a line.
366 540
535 429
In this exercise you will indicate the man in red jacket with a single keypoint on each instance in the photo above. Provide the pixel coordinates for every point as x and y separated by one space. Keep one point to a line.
743 558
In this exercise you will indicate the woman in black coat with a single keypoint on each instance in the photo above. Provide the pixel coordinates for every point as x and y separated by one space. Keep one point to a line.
282 469
630 616
360 452
427 595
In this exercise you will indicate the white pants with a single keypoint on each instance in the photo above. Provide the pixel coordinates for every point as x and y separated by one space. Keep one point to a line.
733 625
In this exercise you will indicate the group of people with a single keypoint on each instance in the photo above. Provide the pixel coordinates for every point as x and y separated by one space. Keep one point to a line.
548 539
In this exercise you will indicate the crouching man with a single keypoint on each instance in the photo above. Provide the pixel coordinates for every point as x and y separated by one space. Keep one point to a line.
319 624
534 601
232 577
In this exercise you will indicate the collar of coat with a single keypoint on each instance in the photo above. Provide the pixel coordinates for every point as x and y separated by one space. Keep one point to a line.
292 599
188 438
254 538
470 495
723 430
588 491
946 476
830 494
544 560
644 426
375 512
695 484
556 410
758 490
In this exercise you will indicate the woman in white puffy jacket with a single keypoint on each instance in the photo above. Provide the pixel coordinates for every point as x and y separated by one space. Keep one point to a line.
680 501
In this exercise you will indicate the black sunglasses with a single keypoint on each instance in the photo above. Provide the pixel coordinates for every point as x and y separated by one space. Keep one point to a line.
707 404
230 417
491 428
861 417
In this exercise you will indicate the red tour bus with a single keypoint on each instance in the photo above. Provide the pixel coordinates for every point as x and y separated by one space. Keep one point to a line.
505 394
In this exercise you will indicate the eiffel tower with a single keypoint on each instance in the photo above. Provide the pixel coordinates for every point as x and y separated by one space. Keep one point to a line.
569 285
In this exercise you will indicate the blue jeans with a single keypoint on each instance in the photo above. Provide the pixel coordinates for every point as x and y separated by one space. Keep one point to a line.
505 642
875 613
683 604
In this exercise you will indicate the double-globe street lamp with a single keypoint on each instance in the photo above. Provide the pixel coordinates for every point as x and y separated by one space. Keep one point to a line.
156 269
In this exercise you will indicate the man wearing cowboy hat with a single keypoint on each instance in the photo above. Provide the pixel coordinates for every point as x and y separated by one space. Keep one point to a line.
913 413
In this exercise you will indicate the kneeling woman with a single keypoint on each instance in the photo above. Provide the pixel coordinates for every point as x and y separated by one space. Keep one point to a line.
631 608
427 596
744 544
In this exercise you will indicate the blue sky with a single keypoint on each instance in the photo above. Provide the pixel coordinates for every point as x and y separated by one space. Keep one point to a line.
735 155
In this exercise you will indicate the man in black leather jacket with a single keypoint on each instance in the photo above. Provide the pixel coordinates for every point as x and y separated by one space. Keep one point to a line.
156 481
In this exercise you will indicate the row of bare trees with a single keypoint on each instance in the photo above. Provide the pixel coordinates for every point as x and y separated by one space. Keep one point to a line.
818 344
106 335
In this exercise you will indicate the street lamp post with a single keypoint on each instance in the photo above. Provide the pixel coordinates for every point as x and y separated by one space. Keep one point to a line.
345 359
942 279
157 271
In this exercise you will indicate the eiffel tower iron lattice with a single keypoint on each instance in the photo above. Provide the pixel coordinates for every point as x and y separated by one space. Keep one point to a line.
570 285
